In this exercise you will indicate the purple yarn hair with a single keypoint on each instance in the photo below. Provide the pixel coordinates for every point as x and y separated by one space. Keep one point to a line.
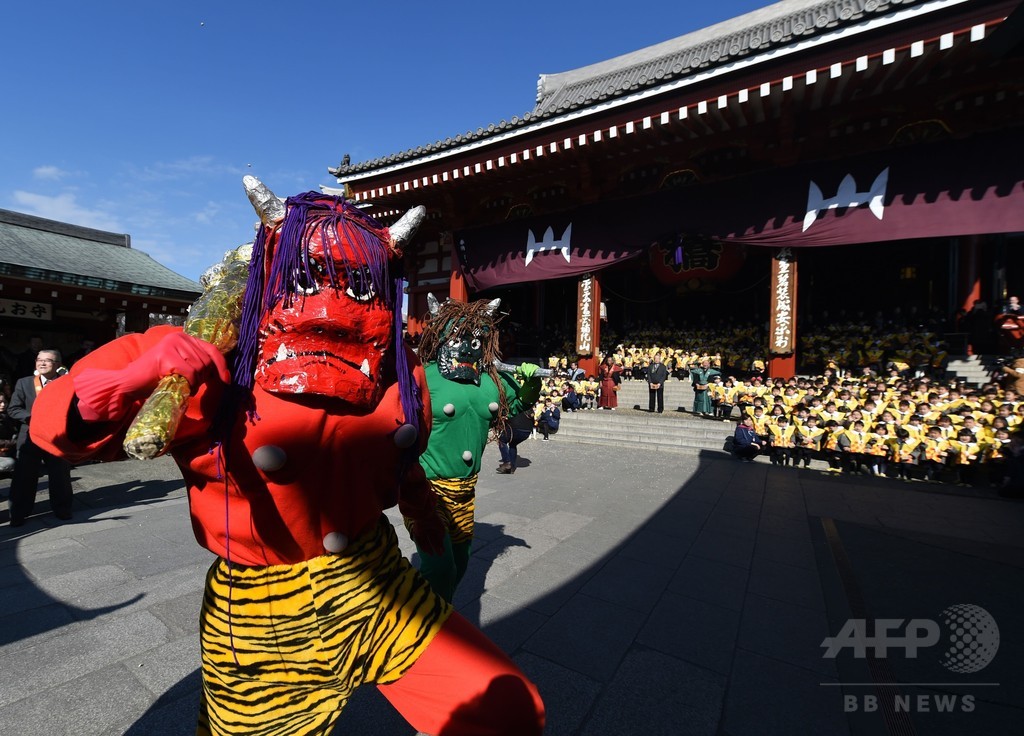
306 215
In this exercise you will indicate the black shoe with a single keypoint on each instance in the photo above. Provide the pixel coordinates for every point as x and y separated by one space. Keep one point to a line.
63 515
506 470
17 522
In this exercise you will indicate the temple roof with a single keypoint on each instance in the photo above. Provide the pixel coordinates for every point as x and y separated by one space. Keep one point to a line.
47 250
757 32
773 25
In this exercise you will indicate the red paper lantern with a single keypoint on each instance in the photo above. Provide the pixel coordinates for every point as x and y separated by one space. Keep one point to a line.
682 259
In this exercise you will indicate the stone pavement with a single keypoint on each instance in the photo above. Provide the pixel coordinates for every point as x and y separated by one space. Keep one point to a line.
645 593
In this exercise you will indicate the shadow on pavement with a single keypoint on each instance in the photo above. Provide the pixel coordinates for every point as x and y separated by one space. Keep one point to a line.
175 713
21 592
708 616
701 608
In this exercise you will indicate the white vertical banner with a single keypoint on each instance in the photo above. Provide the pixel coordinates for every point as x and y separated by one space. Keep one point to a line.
782 323
587 306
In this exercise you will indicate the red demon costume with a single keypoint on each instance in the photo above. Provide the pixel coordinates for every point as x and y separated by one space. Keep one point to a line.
290 459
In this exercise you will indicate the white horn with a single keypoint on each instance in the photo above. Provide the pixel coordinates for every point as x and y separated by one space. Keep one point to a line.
403 230
432 304
492 307
267 205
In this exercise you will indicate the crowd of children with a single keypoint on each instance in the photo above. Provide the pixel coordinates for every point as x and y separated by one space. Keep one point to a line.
913 430
878 403
841 342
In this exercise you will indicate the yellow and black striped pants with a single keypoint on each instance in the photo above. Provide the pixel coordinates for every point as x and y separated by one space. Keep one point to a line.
285 646
457 502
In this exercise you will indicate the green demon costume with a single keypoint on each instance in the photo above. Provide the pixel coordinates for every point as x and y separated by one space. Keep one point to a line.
470 401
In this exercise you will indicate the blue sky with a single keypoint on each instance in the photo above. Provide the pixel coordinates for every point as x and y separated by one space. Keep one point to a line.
143 117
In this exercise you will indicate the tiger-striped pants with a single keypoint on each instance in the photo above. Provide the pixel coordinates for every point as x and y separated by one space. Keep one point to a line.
456 502
285 646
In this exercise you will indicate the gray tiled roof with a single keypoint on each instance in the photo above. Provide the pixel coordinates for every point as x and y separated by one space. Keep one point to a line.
55 251
756 32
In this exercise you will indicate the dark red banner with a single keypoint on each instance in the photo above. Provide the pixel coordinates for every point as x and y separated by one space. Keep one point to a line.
942 189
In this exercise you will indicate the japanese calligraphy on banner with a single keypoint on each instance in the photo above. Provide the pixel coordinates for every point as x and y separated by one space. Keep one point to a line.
587 305
25 310
679 259
782 323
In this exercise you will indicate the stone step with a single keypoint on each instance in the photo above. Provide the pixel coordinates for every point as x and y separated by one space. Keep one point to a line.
626 428
817 464
642 435
670 385
627 397
670 421
974 369
677 393
619 443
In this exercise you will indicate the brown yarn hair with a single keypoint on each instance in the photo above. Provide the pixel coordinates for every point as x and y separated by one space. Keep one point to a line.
456 320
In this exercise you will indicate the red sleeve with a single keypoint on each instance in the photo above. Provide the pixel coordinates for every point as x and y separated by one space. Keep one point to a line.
416 498
57 426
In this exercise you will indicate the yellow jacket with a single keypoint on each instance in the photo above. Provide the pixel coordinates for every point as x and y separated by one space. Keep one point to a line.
760 424
832 441
781 436
858 440
935 449
902 450
966 452
877 444
811 437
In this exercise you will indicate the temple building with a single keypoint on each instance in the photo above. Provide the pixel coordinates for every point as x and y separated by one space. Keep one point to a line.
797 161
65 284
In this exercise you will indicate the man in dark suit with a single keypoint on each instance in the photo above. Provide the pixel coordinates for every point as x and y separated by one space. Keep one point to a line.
657 374
26 467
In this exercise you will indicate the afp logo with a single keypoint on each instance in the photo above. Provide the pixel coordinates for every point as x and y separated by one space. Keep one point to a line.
967 633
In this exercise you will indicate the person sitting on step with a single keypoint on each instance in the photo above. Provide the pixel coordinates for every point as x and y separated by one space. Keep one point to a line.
550 416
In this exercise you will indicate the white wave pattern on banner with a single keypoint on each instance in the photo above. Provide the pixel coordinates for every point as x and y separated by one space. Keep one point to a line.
548 243
847 196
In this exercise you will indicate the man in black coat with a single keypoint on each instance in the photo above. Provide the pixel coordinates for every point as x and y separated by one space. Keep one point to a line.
26 468
657 374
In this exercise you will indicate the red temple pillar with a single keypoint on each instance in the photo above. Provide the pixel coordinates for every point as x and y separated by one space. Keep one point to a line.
413 321
968 280
588 324
457 288
969 271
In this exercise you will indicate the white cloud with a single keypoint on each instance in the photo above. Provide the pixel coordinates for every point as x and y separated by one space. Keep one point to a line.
65 208
48 173
208 213
186 168
188 261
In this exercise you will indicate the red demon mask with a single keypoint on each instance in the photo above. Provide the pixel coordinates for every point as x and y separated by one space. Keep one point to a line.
326 321
331 336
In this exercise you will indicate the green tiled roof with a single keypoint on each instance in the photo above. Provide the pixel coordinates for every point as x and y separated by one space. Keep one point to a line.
55 252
